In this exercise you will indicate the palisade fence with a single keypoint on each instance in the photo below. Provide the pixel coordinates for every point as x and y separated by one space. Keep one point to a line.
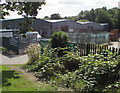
85 49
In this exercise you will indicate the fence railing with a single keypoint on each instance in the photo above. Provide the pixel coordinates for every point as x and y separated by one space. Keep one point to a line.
85 49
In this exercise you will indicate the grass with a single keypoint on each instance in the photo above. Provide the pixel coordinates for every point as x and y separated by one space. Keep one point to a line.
15 81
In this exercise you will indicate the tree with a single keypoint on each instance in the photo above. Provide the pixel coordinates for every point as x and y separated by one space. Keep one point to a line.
55 16
46 18
92 15
3 13
59 39
26 9
103 17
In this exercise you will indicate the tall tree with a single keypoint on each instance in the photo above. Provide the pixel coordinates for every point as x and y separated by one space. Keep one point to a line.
55 16
46 18
103 17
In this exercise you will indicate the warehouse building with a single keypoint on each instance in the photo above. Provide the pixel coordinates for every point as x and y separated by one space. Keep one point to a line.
47 27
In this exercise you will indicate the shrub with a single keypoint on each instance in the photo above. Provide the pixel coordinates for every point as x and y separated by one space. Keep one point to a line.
99 72
3 49
87 74
71 61
55 52
51 68
33 52
59 39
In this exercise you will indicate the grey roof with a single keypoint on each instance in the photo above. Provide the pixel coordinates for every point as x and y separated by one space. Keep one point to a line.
2 20
103 23
93 23
11 19
8 30
85 22
58 20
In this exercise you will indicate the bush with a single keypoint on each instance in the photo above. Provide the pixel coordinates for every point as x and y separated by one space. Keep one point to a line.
33 52
71 61
56 65
3 50
52 68
98 71
88 74
59 39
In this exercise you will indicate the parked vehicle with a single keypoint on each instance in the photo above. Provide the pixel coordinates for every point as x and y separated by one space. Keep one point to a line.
32 33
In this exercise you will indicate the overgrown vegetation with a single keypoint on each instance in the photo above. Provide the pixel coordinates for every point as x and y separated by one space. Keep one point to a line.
3 49
93 73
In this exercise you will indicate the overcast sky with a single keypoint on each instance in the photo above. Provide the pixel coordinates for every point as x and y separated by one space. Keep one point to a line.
70 7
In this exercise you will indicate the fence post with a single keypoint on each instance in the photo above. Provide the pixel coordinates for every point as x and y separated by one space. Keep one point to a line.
119 52
88 49
113 50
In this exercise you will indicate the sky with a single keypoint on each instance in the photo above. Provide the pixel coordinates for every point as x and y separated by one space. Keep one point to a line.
69 7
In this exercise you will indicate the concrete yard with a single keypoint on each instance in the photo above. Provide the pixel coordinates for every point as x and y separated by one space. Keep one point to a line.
115 44
13 59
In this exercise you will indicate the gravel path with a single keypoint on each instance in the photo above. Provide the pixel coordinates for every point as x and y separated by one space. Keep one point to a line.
13 59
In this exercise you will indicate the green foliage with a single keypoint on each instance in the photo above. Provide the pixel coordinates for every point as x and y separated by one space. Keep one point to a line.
55 16
3 13
99 70
3 50
59 39
83 20
102 15
93 73
29 8
71 61
50 65
113 88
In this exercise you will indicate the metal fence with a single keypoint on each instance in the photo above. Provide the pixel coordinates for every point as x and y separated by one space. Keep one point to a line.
18 43
85 49
89 37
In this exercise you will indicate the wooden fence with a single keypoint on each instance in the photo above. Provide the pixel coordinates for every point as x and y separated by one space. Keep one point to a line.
85 49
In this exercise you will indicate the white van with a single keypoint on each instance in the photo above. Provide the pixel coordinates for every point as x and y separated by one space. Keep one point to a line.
31 33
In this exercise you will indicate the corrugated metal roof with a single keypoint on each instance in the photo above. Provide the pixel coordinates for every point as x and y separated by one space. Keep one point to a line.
58 20
11 19
84 22
8 30
103 23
